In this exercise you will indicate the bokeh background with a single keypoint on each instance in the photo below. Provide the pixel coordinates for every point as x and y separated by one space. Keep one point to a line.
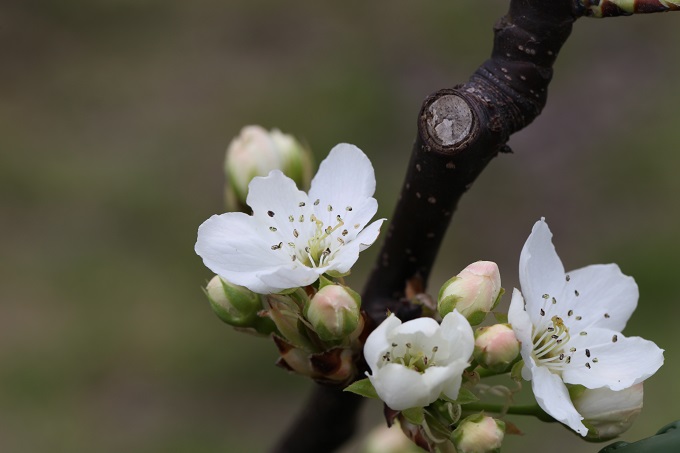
114 117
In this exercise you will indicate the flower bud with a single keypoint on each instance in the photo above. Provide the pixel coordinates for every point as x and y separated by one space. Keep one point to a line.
496 347
474 292
236 305
478 434
607 413
334 312
256 152
389 440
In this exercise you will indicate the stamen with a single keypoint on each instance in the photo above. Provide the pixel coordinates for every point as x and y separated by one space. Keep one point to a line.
606 315
615 338
277 246
270 213
568 278
578 318
587 352
542 312
554 301
330 208
291 218
316 203
302 203
546 296
576 293
587 365
345 232
295 233
340 240
272 228
302 218
570 312
348 208
595 360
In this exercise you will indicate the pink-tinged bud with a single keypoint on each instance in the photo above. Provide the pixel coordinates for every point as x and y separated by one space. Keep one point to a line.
496 347
607 413
237 306
389 440
334 312
473 292
479 434
256 152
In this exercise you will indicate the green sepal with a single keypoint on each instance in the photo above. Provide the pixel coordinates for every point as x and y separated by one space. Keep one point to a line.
476 318
285 292
516 371
498 298
336 274
363 387
501 318
415 415
323 281
446 283
465 396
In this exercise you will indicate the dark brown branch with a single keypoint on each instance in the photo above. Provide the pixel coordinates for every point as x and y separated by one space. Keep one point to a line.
459 131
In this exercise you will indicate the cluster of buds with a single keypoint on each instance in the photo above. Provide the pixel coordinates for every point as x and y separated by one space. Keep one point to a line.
316 331
256 152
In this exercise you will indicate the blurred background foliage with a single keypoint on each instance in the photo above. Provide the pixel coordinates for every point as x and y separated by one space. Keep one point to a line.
114 117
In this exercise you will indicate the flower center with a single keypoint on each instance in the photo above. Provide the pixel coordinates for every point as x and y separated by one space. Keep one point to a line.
410 356
319 247
312 246
549 345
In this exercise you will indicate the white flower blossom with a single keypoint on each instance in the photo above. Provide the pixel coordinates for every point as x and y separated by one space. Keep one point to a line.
293 237
570 327
415 362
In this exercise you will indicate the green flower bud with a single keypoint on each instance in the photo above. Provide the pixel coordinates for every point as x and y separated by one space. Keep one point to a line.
479 434
236 305
334 312
496 347
256 152
474 292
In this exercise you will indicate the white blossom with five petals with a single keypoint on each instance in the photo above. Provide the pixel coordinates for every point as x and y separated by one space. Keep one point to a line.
292 237
415 362
570 327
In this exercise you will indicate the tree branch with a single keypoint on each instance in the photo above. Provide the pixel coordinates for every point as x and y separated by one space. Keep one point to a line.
459 131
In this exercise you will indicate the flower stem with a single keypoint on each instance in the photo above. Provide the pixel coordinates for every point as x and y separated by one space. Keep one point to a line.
526 409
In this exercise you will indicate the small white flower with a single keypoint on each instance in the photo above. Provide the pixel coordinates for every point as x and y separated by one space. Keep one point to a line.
414 362
292 237
569 325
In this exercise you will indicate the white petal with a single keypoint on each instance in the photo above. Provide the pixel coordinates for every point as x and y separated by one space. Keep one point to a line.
452 386
378 342
552 395
619 364
521 324
273 198
540 269
348 254
606 297
427 327
291 276
230 247
456 331
402 388
345 178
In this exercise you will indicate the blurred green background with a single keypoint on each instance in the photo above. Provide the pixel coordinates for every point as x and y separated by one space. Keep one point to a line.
114 117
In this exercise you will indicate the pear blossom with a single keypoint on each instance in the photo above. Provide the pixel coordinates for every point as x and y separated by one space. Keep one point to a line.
570 327
292 237
413 363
